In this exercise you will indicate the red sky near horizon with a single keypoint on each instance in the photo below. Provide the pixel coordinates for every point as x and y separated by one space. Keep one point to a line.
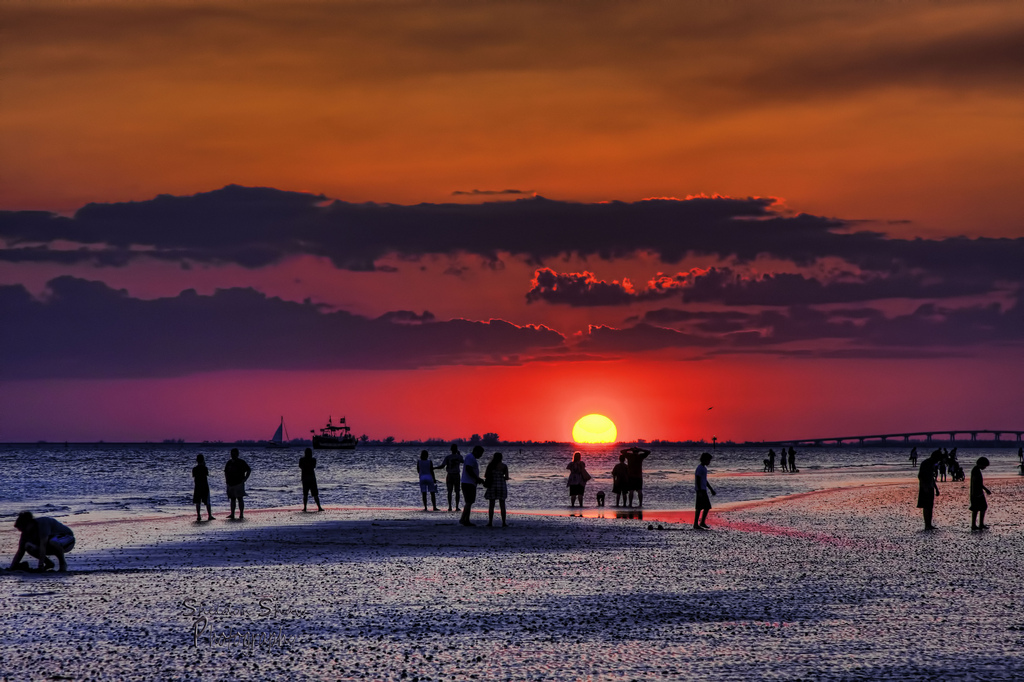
444 218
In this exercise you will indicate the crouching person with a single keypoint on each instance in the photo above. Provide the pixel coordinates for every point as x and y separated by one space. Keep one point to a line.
41 537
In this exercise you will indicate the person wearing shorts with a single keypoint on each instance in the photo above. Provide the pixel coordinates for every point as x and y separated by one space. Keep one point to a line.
452 464
40 537
702 487
236 473
470 480
428 483
307 464
635 473
620 481
201 489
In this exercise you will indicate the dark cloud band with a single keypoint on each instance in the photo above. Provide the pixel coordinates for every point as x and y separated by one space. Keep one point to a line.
730 287
86 329
255 227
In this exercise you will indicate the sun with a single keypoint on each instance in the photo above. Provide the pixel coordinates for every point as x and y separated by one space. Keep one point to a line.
594 428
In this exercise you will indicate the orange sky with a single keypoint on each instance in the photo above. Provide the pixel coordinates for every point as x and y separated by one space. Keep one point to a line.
904 115
892 111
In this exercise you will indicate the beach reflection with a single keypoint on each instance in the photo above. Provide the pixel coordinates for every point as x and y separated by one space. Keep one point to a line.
599 513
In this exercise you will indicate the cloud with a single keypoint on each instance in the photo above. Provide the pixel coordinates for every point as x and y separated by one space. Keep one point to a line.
773 50
725 285
579 289
976 56
254 227
486 192
86 329
858 331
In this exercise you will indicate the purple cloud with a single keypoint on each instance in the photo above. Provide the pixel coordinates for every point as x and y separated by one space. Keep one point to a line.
86 329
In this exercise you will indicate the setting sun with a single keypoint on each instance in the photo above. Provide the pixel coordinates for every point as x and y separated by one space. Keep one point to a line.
594 428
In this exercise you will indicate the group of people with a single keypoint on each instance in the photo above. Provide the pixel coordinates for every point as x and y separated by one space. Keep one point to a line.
627 478
462 476
947 464
928 486
236 473
45 536
787 460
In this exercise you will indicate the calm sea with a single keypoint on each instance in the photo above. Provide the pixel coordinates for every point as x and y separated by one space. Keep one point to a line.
155 479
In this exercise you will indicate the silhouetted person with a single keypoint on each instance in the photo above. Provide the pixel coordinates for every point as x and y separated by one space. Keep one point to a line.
428 483
701 485
307 463
942 469
979 505
578 478
1020 458
913 456
937 454
782 460
927 488
201 489
620 481
792 460
771 460
452 464
236 473
495 477
40 537
635 467
957 471
470 479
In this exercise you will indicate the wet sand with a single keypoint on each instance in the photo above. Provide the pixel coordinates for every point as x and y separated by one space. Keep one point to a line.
841 584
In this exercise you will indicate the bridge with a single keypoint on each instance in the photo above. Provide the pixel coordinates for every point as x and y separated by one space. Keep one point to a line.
905 438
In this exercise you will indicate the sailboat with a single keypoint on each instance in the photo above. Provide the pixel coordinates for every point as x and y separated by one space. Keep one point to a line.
278 439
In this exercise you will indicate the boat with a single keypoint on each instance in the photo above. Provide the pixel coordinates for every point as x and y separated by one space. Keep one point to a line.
278 439
334 436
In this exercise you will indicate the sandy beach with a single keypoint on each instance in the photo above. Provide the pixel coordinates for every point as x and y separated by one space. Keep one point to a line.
839 584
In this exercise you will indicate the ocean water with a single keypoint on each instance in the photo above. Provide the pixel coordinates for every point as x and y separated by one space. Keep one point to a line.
137 480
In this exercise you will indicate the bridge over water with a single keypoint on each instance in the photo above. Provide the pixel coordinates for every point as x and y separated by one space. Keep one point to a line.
917 436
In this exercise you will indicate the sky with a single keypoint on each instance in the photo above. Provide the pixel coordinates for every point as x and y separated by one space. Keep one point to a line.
742 220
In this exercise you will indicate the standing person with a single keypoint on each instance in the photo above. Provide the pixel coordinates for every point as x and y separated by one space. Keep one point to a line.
782 459
40 537
236 473
307 463
702 487
428 483
620 481
470 479
495 477
578 478
979 505
913 456
452 465
927 488
201 489
635 469
771 460
792 460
